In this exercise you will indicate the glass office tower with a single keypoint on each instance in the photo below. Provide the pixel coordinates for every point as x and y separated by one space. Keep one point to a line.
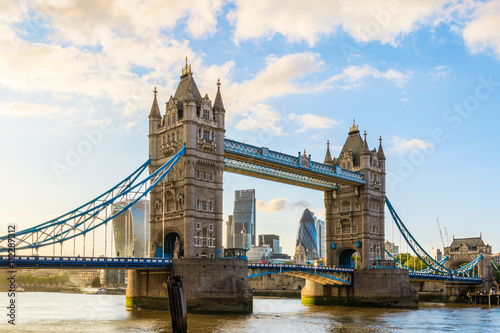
240 227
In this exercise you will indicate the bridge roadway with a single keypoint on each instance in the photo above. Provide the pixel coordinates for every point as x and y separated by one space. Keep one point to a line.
320 274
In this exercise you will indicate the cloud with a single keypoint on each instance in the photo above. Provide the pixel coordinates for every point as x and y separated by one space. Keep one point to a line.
29 110
482 33
353 76
401 146
278 204
299 205
440 72
310 121
263 117
129 125
281 76
275 205
380 20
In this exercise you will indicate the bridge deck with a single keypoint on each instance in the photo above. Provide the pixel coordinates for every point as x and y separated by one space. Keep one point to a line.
35 262
320 274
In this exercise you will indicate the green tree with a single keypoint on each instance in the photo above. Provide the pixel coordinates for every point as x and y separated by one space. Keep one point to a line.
96 282
497 277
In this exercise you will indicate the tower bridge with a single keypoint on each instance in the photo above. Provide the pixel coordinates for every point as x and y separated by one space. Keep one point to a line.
188 155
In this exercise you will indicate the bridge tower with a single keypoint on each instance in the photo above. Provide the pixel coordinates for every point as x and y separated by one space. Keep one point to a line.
186 210
355 215
465 250
355 223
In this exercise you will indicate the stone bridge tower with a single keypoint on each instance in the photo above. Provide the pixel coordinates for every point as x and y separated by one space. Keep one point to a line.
186 209
465 250
355 215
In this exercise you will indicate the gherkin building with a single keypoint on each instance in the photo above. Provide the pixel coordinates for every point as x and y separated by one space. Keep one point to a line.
307 235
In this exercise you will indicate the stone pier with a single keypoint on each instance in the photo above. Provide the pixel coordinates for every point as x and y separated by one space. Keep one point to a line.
213 286
370 287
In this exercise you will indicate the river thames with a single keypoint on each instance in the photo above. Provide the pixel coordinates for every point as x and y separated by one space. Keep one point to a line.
59 312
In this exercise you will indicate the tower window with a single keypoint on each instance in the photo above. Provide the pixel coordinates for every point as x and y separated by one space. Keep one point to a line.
212 135
197 174
199 133
206 114
210 175
206 134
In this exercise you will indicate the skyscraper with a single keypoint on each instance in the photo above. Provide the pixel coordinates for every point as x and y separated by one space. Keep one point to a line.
271 240
320 228
307 236
241 225
131 230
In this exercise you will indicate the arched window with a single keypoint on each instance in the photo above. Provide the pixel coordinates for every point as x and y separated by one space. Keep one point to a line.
346 206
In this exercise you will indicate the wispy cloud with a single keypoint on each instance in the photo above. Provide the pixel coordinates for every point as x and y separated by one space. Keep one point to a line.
29 110
278 204
401 146
354 76
311 121
376 20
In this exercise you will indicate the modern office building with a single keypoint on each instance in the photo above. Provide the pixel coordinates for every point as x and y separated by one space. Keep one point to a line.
240 227
307 236
271 240
320 228
230 236
392 249
131 230
437 254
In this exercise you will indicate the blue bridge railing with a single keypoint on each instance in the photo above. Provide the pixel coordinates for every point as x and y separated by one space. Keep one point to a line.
300 162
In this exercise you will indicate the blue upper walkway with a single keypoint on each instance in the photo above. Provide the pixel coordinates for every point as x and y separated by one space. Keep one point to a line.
300 170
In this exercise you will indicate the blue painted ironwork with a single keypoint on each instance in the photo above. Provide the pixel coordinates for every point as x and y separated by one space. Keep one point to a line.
86 218
320 274
260 171
82 262
441 262
418 276
415 246
264 163
495 266
437 267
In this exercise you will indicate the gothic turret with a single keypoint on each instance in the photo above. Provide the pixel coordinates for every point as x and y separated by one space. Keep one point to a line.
328 156
381 155
219 110
154 125
155 110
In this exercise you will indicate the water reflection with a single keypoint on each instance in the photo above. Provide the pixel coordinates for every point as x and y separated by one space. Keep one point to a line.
55 312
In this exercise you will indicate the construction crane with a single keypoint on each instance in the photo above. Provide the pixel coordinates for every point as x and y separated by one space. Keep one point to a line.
440 233
446 233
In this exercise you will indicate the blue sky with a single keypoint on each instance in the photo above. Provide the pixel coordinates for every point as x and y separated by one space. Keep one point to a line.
424 75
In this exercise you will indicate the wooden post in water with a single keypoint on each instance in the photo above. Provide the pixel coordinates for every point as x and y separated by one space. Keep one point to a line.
177 298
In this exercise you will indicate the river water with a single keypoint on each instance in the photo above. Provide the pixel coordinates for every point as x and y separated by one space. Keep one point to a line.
58 312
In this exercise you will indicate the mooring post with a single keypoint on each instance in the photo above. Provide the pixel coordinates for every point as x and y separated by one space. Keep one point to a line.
177 298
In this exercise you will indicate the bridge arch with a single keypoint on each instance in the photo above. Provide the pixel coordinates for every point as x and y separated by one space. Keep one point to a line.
173 246
345 257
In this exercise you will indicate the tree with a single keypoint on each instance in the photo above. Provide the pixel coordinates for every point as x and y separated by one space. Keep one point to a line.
96 282
497 277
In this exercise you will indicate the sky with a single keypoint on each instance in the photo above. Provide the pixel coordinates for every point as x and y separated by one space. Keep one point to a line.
77 80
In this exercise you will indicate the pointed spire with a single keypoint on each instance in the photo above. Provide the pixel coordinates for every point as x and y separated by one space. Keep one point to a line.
328 156
381 155
189 91
218 105
365 145
155 110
